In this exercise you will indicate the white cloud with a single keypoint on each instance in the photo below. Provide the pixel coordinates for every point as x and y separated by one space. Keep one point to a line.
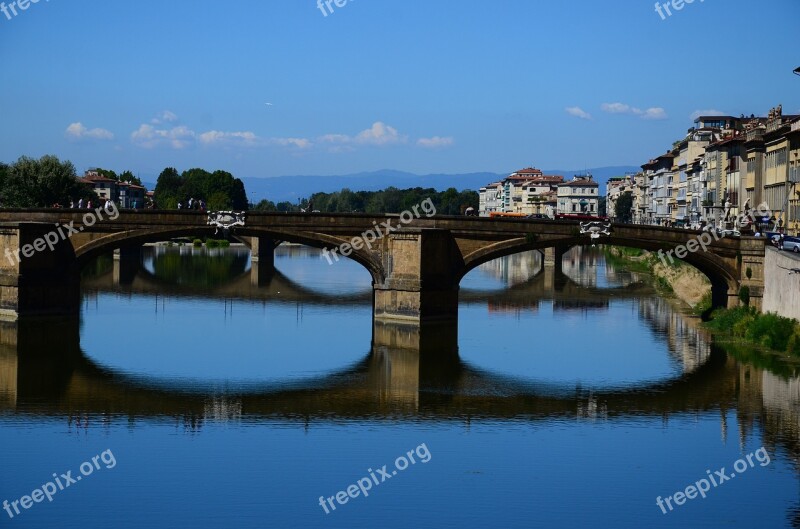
616 108
149 137
165 116
335 138
300 143
216 137
654 113
436 142
578 112
380 134
711 112
77 132
651 113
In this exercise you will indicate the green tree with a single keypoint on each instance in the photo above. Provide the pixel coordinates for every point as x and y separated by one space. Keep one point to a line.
107 173
128 176
31 183
265 206
623 207
3 177
167 193
601 206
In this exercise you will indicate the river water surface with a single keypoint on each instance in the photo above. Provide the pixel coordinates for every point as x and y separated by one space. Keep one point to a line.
224 396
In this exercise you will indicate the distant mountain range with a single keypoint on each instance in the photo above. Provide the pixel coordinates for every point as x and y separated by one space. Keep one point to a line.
294 188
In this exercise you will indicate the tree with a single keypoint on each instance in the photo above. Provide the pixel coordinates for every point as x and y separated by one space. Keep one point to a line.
107 173
623 207
31 183
265 205
128 176
219 190
168 189
3 176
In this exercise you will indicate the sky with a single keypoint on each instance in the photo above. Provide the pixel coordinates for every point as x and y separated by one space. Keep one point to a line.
265 88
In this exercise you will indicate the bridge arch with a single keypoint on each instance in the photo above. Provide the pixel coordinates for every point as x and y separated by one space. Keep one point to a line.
724 278
86 252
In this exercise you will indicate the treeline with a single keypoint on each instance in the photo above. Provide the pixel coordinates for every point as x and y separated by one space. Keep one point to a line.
32 183
219 190
390 200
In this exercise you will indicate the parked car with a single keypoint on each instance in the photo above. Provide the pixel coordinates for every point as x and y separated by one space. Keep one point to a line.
729 233
791 244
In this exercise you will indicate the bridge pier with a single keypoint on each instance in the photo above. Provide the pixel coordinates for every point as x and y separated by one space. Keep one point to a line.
262 260
553 257
127 261
421 285
35 280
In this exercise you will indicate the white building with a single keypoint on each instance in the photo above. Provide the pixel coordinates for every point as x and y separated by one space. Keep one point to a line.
579 196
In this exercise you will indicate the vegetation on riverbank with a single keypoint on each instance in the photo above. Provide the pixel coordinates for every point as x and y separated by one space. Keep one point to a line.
672 279
767 330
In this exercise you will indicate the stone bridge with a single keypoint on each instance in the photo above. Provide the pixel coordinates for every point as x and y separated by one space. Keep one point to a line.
416 266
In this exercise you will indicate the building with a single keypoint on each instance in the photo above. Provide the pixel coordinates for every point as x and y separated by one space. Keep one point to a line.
124 194
526 192
579 196
490 199
658 173
615 188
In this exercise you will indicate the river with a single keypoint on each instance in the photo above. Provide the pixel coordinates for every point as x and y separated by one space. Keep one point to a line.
212 395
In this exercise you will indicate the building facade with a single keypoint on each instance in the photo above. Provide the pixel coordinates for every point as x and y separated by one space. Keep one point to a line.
579 196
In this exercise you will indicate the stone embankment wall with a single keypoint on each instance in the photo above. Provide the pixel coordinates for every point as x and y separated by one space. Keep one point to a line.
781 288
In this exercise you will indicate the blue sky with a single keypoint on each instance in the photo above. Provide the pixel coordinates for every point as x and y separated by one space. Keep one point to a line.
416 85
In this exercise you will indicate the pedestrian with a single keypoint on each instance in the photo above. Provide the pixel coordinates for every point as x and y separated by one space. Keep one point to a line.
80 203
89 204
180 205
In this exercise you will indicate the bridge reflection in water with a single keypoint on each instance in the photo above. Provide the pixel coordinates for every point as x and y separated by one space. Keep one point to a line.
410 373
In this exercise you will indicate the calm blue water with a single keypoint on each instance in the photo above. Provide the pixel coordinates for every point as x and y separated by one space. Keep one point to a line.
574 401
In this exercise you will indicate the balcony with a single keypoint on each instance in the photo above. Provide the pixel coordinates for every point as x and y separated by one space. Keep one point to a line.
756 134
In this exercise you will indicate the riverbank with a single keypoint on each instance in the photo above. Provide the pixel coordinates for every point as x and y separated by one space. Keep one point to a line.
767 330
679 280
743 328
